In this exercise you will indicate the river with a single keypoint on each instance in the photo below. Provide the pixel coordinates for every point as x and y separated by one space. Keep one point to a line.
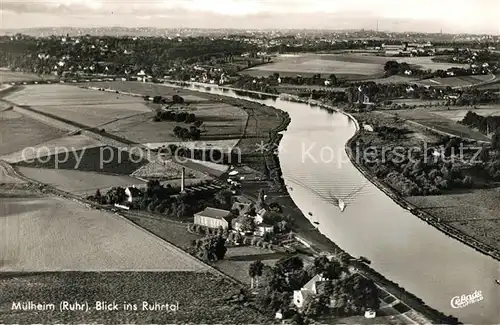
403 248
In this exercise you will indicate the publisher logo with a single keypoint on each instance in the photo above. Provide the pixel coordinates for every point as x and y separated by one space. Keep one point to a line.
465 300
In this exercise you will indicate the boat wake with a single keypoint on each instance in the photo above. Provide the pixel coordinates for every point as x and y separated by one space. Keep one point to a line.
340 202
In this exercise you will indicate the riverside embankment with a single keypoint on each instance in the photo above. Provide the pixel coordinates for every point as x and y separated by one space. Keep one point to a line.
422 215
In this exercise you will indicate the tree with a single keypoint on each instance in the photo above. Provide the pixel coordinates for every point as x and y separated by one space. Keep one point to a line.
314 306
495 140
115 195
255 271
213 248
246 223
333 79
252 272
298 319
289 264
329 288
484 155
223 198
260 199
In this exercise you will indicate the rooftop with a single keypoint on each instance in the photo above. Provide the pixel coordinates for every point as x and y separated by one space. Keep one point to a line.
214 213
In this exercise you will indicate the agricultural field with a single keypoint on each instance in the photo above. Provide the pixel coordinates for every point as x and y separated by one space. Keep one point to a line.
220 122
165 170
458 113
464 81
77 182
18 132
215 169
70 143
55 234
426 63
87 107
150 89
342 65
396 79
462 211
346 65
439 124
418 102
103 159
494 85
202 298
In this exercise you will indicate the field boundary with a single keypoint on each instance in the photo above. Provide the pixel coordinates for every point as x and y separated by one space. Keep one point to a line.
60 193
429 128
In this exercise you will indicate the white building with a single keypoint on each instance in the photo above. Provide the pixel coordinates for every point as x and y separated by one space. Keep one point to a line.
259 218
367 127
309 289
263 229
132 193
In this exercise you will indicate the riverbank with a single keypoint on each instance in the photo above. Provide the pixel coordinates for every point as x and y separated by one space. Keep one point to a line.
319 243
311 237
415 210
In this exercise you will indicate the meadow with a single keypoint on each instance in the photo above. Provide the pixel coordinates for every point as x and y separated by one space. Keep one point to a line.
87 107
49 148
220 122
77 182
463 81
18 132
149 89
461 211
458 113
346 65
439 124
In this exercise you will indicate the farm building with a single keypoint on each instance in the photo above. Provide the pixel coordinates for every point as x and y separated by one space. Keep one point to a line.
132 193
213 218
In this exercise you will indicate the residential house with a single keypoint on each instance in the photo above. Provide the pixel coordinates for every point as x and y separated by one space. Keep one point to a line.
308 290
132 193
213 218
259 218
367 127
263 229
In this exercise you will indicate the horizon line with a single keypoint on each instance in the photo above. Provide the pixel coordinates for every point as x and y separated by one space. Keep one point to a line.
256 29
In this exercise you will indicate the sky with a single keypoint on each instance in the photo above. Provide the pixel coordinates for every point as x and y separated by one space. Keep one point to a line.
452 16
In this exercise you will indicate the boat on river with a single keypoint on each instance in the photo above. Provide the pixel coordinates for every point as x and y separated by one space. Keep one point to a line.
497 281
341 205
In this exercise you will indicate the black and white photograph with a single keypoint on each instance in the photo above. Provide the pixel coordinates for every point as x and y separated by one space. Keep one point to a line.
250 162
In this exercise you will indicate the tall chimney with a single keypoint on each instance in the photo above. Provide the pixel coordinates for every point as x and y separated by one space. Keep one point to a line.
182 179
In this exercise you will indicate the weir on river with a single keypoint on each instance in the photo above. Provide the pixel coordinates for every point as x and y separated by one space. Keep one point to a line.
406 250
